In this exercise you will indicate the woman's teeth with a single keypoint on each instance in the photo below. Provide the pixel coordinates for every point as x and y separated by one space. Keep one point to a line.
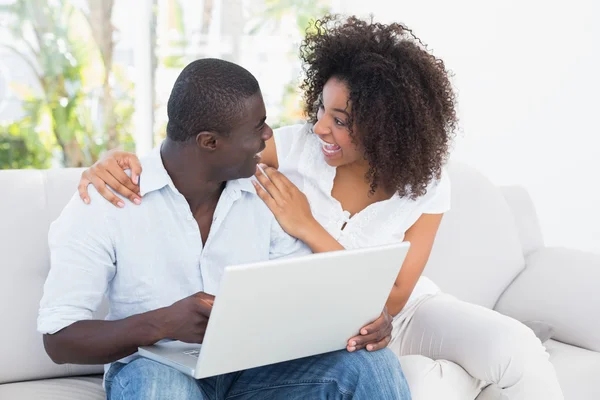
329 148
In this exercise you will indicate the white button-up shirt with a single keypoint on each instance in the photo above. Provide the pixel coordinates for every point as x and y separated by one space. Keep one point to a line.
150 256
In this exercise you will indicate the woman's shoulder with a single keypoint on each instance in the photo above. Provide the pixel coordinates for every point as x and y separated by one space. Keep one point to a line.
436 199
290 139
286 135
290 129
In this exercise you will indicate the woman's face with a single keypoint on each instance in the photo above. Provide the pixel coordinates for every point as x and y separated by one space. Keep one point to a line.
332 125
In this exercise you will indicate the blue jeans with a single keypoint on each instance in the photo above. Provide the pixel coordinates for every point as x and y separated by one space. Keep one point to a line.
338 375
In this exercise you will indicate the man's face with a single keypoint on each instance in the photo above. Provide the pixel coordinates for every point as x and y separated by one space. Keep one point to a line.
238 152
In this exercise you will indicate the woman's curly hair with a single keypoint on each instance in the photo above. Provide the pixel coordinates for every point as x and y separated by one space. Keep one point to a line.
402 101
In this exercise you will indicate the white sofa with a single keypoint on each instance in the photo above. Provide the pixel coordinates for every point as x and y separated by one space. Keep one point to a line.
489 251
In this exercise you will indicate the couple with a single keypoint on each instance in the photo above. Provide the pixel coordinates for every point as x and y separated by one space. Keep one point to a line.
367 169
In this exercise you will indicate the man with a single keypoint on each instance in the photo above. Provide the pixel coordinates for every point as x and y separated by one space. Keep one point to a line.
160 262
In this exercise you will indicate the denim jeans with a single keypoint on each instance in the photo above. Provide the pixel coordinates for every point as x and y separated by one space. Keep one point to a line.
337 375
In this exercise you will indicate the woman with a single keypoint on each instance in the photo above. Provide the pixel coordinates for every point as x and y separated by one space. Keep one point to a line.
367 169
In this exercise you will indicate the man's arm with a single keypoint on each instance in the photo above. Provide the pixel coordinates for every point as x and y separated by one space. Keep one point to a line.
82 258
102 342
83 262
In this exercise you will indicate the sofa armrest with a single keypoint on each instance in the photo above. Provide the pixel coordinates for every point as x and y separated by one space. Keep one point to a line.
559 287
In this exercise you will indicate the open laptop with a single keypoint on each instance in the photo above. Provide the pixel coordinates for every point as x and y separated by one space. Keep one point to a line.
280 310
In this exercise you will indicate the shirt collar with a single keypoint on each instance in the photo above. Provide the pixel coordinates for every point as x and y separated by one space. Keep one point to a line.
237 186
154 177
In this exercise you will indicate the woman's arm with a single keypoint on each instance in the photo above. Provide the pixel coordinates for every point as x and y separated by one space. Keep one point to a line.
293 213
109 171
421 236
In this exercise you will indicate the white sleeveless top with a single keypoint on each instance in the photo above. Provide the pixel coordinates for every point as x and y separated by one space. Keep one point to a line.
384 222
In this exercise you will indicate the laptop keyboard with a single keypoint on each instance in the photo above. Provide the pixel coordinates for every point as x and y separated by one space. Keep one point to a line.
193 353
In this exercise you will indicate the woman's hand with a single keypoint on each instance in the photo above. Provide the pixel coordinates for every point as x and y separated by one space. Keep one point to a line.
109 170
286 202
375 336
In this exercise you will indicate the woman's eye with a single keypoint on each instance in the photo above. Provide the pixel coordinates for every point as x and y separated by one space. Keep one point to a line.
339 122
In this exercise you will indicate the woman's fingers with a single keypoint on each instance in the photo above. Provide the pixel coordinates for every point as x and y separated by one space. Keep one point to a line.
279 180
382 344
135 166
82 188
266 197
116 170
268 185
106 192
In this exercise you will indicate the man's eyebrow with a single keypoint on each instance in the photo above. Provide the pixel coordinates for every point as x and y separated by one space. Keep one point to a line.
262 121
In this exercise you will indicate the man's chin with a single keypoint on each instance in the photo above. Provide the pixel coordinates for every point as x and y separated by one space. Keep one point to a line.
248 172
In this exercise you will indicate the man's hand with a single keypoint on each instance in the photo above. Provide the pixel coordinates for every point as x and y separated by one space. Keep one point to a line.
103 342
187 319
375 336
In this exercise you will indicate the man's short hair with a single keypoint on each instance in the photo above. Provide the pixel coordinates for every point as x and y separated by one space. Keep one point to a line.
208 95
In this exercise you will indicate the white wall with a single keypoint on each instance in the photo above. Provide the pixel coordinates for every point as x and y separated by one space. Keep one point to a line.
528 77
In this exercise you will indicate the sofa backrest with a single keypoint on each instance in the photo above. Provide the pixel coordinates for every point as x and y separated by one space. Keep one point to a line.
476 255
477 252
29 201
526 218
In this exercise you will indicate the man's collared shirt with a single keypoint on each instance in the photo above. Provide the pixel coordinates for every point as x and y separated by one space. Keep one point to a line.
150 256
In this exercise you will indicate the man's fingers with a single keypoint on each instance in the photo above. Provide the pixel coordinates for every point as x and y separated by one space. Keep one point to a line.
205 307
209 298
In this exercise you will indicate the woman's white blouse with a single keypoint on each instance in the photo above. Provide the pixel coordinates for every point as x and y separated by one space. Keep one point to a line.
301 160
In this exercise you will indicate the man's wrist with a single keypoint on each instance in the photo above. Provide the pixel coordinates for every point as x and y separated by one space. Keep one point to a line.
150 327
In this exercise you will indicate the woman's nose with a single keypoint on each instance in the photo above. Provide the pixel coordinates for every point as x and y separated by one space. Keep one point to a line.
319 128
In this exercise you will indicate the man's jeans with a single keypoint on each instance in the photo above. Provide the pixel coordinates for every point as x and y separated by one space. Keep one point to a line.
338 375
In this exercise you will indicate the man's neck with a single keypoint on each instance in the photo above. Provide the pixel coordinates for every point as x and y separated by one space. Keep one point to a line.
192 181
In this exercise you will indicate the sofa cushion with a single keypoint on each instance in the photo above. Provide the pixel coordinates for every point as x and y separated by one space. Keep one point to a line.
560 288
477 252
578 370
81 388
30 201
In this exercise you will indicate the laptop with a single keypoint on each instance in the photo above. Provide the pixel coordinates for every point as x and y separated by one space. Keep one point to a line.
281 310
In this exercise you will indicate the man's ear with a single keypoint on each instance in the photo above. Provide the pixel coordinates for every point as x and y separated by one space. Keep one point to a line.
207 140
